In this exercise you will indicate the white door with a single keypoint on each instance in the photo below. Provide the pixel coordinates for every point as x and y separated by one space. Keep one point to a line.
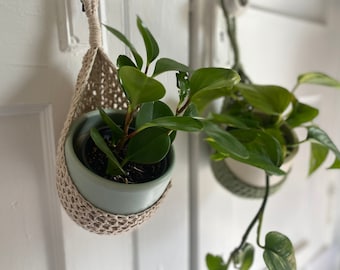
279 40
41 46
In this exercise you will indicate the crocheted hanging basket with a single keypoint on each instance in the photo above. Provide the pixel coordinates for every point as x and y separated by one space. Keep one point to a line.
97 86
236 185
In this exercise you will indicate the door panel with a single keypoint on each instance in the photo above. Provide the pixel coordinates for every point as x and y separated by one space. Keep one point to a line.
31 233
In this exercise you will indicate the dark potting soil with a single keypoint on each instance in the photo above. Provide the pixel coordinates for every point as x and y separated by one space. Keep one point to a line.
96 161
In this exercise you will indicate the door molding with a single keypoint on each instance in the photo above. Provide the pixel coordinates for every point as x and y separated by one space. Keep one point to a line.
44 113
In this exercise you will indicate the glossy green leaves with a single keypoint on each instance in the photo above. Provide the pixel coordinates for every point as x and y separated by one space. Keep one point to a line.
114 167
279 252
269 99
317 157
150 43
121 37
214 262
224 142
140 88
321 144
207 84
264 150
318 78
149 146
167 64
242 259
301 113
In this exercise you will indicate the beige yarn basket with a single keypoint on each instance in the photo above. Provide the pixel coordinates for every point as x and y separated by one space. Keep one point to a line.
97 85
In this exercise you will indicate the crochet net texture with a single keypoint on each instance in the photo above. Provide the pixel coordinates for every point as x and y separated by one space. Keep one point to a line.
97 85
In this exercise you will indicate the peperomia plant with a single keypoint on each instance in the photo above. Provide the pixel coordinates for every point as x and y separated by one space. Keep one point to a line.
155 125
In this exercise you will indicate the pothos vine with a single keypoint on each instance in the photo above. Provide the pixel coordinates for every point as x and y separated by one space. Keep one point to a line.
278 250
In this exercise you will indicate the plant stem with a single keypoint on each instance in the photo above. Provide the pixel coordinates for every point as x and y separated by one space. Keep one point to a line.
182 109
261 211
127 123
257 218
231 30
295 87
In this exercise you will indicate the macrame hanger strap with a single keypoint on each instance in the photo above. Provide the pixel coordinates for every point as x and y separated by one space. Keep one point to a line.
91 10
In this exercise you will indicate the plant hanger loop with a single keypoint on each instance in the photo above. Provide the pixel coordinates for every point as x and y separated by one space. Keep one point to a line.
91 10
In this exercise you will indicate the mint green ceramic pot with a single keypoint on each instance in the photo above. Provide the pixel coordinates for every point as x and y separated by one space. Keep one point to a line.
113 197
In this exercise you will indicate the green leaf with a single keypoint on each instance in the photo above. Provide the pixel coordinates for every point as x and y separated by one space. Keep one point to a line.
140 88
224 142
191 111
317 157
215 262
229 120
150 43
265 151
207 84
279 252
336 164
269 99
148 146
301 113
150 111
320 136
167 64
247 258
318 78
117 132
184 123
122 37
97 138
123 60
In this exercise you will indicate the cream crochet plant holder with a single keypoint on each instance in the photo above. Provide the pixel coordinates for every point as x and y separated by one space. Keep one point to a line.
97 85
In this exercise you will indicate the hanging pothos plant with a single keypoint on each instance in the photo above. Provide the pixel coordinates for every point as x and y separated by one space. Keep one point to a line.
254 115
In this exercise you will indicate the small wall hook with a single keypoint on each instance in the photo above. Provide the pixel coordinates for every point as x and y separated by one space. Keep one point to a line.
82 6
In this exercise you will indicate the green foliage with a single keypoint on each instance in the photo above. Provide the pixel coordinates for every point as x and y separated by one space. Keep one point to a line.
121 37
215 262
264 150
140 88
224 142
301 113
149 138
114 166
208 84
250 108
247 258
150 43
317 157
149 146
270 99
167 64
318 78
152 110
279 252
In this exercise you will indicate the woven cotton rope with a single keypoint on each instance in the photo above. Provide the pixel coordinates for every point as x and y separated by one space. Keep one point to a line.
97 85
